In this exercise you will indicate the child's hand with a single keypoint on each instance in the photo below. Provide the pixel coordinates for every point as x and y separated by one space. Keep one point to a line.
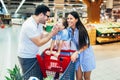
56 54
48 52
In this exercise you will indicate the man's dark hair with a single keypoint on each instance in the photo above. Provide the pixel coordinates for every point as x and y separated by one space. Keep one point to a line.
41 9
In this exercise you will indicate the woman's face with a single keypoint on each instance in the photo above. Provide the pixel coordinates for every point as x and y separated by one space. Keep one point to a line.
71 21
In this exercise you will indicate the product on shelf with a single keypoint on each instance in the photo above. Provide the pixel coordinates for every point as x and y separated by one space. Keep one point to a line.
107 32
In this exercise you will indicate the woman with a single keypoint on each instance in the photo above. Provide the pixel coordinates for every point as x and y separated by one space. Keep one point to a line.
84 56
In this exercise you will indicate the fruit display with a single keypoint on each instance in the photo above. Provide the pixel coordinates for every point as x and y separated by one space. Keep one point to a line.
107 32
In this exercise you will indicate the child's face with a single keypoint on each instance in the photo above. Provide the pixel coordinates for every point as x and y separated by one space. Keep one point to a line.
60 24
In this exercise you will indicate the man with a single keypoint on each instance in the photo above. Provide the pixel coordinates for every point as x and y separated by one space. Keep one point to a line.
31 38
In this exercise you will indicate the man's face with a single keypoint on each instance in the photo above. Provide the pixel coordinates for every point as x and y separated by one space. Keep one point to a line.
45 17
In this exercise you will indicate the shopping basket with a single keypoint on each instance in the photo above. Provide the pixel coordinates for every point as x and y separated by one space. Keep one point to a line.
50 65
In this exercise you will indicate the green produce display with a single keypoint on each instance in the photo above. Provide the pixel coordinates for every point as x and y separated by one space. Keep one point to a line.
107 32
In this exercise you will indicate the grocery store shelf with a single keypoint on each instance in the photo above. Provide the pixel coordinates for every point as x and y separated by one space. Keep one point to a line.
107 39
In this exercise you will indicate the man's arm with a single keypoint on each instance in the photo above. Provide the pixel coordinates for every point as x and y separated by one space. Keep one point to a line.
40 40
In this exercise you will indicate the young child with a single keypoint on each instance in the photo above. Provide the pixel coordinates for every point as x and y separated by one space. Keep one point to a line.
60 41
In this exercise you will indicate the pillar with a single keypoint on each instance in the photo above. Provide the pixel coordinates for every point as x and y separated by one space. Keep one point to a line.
93 10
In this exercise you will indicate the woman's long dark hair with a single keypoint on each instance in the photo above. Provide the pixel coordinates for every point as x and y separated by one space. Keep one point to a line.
83 35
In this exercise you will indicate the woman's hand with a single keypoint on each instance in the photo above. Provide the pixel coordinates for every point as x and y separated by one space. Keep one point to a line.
74 56
84 47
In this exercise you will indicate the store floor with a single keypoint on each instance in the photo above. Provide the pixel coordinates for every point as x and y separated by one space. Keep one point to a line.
107 56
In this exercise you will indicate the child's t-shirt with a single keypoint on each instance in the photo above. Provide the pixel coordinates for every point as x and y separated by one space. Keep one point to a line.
62 35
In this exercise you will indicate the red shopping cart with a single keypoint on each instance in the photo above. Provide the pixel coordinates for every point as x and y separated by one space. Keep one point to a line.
50 65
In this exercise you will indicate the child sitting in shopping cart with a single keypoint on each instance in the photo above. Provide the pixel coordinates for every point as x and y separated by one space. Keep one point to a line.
60 41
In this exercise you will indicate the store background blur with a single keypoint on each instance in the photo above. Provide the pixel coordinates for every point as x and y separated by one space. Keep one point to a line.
104 33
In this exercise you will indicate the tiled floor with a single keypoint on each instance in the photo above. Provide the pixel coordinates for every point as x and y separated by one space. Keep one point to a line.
107 62
107 56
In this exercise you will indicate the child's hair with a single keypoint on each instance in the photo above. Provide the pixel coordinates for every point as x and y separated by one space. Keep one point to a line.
65 22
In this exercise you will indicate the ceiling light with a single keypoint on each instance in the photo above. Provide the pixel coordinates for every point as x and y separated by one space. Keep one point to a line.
93 0
4 6
20 6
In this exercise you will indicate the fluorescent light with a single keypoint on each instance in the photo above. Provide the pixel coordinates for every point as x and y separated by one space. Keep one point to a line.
19 6
4 6
93 0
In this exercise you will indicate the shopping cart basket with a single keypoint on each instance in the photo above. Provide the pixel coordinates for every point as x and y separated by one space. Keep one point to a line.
50 65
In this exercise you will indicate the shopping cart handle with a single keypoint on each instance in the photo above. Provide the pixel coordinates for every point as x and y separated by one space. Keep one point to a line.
65 50
61 56
62 50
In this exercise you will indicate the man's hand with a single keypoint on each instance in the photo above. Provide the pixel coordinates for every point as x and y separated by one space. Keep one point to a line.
55 29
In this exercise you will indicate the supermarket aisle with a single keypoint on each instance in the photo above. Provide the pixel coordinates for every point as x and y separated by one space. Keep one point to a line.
107 56
8 49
